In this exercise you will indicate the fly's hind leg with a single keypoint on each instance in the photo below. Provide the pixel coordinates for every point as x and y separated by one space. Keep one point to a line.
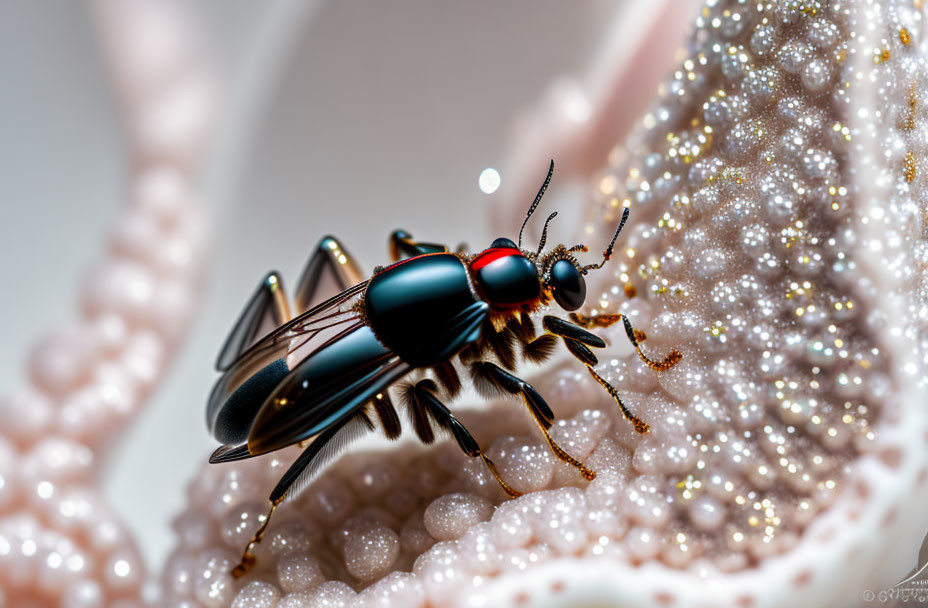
490 379
424 409
248 559
329 254
402 246
323 448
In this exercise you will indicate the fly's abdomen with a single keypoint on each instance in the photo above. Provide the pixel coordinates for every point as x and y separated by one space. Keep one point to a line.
326 386
423 308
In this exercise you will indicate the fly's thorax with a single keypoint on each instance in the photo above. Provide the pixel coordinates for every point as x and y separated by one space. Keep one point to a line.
424 309
506 278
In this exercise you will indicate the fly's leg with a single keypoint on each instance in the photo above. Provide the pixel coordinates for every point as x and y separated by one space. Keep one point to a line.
575 338
500 343
489 378
522 327
248 559
402 246
321 451
266 309
386 413
425 408
540 348
591 321
329 255
572 339
569 331
640 425
635 336
448 377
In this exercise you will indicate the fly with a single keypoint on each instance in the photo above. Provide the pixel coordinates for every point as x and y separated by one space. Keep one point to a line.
322 377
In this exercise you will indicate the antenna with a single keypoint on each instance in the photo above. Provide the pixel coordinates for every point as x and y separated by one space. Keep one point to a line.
544 233
608 253
538 196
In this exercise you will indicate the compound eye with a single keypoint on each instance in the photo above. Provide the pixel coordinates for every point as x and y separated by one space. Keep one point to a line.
569 286
503 242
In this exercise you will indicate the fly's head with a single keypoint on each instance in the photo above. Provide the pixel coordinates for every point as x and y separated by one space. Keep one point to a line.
560 272
562 277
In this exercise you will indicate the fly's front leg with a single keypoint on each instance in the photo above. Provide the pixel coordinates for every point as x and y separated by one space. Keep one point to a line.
330 255
425 408
569 331
591 321
576 339
635 336
489 378
522 327
402 246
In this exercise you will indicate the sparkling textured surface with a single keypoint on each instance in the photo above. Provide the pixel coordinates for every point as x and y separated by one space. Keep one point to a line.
743 198
776 240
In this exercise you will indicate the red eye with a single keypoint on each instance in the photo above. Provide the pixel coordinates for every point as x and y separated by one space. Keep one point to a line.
569 286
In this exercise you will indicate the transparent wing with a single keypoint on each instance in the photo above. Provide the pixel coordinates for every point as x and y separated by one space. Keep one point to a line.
332 313
329 385
250 379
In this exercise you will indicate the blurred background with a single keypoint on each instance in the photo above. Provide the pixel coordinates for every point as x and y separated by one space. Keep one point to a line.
351 117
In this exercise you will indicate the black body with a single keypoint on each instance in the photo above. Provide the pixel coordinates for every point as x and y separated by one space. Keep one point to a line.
423 308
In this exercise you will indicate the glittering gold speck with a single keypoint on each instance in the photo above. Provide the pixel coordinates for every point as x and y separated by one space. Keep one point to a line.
904 36
910 170
909 123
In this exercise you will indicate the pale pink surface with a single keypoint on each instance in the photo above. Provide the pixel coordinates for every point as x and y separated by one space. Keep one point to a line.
60 543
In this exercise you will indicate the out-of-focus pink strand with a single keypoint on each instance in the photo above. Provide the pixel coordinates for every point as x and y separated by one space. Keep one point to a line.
60 543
